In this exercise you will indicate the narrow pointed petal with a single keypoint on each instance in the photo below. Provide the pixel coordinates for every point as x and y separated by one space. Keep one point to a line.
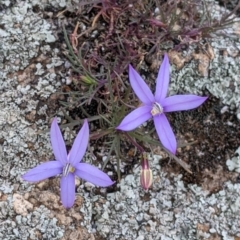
58 145
80 145
135 118
163 80
68 190
93 175
140 87
182 102
43 171
165 133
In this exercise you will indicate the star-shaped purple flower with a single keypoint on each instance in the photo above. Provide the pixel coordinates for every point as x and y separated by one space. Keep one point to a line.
68 165
156 106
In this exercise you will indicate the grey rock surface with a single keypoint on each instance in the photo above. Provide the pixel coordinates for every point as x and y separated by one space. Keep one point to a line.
30 74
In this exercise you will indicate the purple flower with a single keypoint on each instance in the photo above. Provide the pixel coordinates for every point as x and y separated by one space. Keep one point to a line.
156 106
68 165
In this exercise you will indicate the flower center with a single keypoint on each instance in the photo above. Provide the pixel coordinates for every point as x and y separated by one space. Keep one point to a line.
157 109
67 169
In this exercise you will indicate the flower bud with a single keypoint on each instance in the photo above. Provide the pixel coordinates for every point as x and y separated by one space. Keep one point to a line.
146 178
88 80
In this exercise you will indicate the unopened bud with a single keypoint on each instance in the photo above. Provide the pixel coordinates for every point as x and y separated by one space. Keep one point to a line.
88 80
146 178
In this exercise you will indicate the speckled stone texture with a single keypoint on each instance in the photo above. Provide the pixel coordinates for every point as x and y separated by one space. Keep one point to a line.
32 70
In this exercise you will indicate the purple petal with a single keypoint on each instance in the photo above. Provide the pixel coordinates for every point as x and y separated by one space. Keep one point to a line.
181 102
140 87
93 175
80 145
68 190
43 171
165 133
135 118
58 145
163 80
